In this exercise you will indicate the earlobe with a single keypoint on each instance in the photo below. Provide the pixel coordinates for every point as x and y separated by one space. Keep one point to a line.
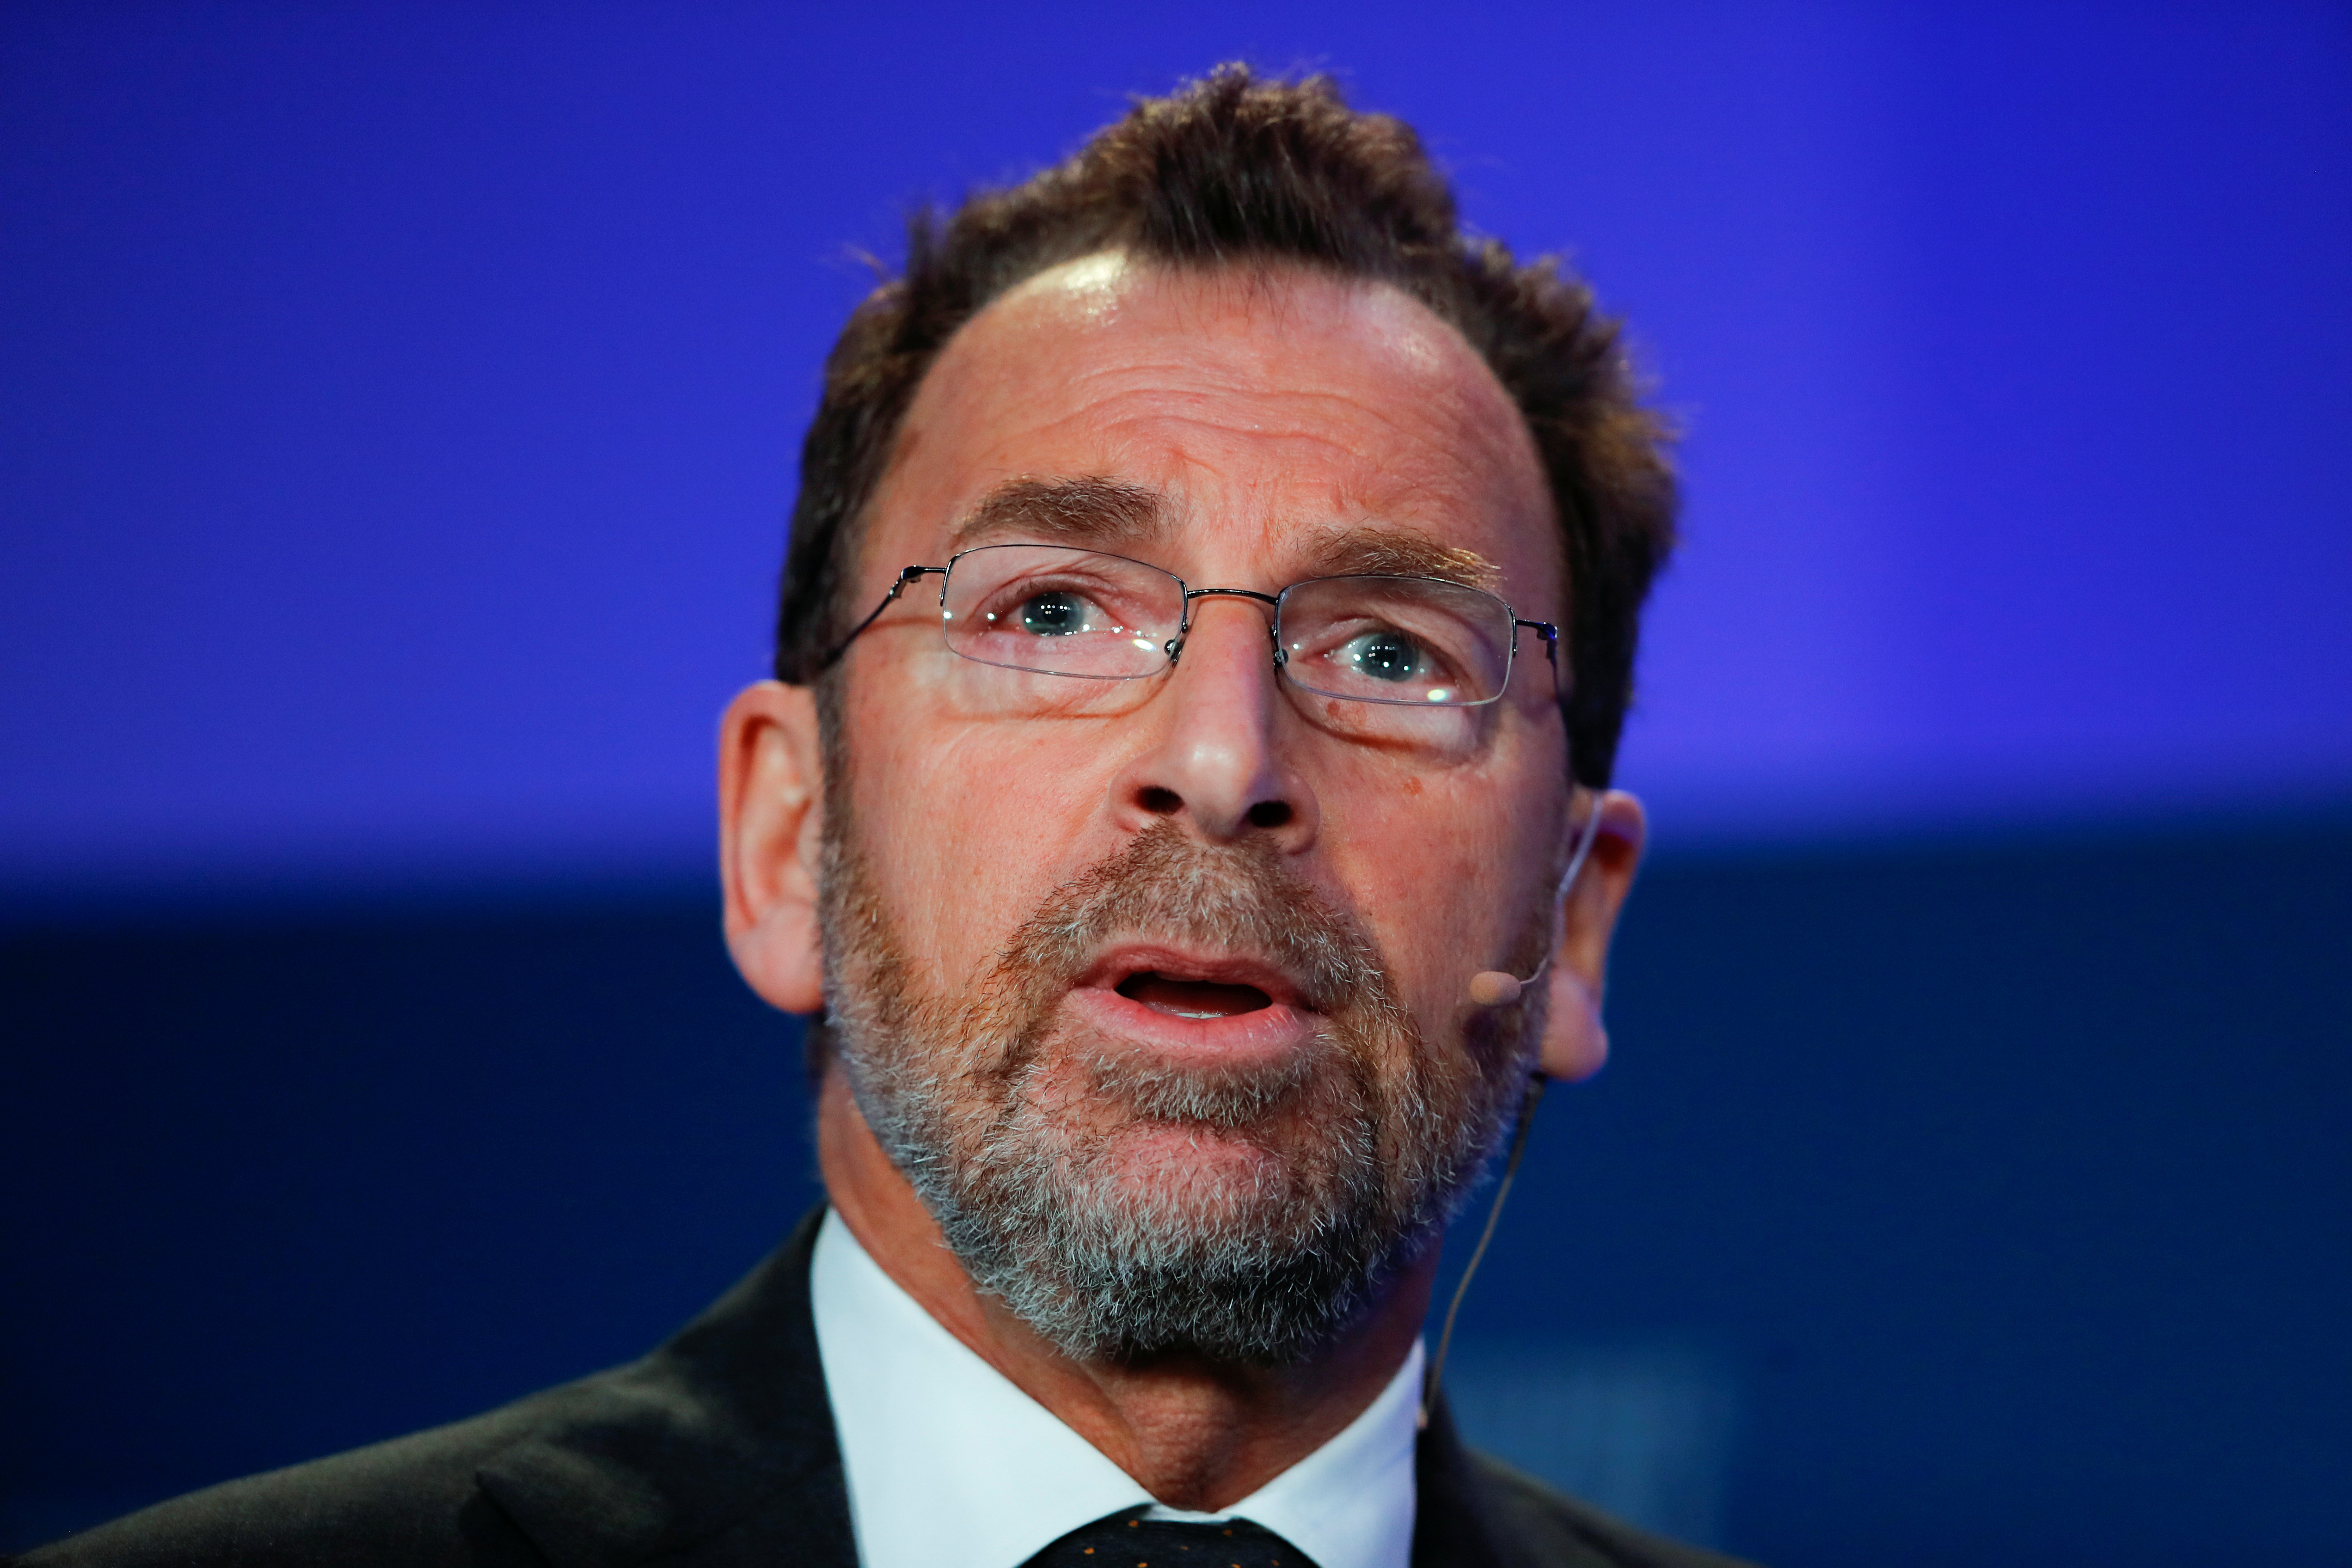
771 823
1575 1041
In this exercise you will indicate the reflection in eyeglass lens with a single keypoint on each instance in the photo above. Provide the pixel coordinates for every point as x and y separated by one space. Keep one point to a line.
1386 640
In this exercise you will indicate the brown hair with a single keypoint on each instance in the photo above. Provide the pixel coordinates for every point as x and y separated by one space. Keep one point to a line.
1237 169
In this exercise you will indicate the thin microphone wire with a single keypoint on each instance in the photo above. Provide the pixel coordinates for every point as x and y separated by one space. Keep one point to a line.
1494 1213
1583 848
1518 1145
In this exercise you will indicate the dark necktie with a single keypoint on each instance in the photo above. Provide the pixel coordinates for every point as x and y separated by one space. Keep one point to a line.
1128 1539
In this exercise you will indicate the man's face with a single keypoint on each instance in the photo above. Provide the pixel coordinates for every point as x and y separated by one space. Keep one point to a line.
1157 989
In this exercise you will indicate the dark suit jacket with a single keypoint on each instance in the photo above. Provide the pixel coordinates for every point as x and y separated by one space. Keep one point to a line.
715 1450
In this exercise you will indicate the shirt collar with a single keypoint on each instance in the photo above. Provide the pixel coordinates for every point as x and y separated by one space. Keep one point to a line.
951 1465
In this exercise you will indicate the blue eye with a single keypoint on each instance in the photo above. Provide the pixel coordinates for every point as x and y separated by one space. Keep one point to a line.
1383 656
1053 615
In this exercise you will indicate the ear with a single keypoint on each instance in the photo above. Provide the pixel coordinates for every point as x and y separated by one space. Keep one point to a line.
771 824
1575 1042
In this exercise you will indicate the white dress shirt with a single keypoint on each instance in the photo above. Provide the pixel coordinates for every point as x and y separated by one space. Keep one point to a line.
951 1465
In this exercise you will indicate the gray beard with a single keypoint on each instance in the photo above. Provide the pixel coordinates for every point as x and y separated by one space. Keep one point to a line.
1323 1175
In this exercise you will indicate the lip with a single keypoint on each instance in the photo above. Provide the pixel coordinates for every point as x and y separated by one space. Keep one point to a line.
1287 1024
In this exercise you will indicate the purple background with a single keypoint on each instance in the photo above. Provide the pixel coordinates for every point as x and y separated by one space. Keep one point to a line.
397 414
400 402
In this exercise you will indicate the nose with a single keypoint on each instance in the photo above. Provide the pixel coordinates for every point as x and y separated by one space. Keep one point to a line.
1213 761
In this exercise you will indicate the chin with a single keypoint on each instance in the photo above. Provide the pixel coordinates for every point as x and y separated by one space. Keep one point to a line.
1258 1245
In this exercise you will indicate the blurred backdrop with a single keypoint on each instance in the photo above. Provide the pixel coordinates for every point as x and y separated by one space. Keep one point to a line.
398 408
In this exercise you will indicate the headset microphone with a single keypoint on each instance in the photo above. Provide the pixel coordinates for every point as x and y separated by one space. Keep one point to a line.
1498 988
1493 988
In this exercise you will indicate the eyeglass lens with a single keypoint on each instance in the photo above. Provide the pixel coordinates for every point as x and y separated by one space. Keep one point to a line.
1407 641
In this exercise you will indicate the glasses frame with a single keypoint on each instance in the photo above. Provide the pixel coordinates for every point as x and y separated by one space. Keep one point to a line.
1174 646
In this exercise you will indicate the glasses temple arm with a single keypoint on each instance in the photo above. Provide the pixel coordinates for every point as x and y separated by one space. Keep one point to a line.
906 575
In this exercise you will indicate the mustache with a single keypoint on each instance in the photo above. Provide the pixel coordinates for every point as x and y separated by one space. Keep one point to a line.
1167 884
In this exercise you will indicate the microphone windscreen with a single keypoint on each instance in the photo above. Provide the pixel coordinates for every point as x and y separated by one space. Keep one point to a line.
1493 988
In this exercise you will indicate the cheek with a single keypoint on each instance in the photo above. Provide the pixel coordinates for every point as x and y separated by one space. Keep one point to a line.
1442 866
971 827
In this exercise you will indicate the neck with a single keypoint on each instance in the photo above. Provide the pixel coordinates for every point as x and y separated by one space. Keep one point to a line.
1194 1432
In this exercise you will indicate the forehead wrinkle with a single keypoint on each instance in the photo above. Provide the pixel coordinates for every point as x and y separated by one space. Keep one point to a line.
1405 473
1442 420
1411 476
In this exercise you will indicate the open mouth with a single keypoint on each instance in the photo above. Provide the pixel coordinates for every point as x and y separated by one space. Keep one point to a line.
1191 998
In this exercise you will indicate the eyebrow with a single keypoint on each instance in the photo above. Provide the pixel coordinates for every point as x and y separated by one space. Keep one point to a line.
1095 513
1091 513
1383 552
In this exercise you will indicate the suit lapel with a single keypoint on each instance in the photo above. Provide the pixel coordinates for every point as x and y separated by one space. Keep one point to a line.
1450 1527
717 1449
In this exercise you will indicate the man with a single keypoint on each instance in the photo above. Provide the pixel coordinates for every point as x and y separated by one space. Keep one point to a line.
1208 625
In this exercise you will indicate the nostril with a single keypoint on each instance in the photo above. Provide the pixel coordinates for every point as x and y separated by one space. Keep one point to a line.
1269 814
1161 801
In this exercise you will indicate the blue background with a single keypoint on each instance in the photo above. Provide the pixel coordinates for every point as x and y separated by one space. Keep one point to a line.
397 413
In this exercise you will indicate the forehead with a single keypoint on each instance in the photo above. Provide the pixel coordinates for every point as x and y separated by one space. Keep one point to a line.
1272 410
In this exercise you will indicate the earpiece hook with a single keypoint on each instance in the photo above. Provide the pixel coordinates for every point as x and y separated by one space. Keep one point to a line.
1498 988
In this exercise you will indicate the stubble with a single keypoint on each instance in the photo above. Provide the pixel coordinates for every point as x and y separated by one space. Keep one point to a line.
1127 1206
